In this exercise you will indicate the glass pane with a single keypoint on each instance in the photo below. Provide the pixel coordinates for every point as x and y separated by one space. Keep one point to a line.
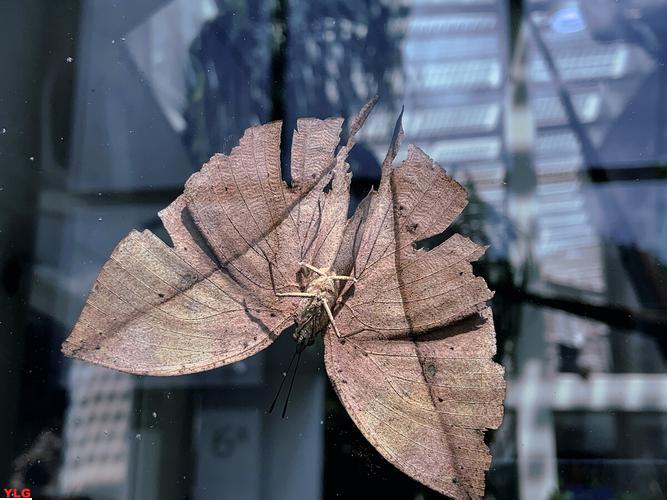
553 116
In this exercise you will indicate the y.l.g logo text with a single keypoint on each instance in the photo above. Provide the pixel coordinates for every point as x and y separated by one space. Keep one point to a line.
11 493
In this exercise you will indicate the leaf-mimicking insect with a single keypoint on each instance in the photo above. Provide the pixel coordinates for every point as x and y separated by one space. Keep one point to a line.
408 336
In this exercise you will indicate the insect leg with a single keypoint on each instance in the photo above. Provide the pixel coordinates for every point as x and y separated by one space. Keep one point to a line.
313 268
296 294
331 318
273 283
344 278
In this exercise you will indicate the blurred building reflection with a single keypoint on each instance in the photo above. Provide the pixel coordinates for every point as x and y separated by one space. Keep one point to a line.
581 87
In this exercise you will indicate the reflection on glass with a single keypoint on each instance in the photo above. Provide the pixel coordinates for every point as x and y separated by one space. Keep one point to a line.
554 117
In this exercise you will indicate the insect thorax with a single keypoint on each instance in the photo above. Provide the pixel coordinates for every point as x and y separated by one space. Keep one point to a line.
311 318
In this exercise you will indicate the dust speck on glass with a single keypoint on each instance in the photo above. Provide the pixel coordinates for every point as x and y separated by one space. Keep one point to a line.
552 114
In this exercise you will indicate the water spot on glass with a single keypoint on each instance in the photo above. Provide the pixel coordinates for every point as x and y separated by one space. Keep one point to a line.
154 414
240 368
568 20
138 437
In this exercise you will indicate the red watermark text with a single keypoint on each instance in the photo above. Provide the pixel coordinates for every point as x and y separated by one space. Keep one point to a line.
15 493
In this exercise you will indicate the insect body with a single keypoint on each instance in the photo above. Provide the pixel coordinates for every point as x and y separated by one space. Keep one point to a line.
311 317
315 311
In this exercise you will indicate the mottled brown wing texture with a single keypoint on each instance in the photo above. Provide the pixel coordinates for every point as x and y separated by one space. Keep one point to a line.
402 290
415 369
424 402
238 233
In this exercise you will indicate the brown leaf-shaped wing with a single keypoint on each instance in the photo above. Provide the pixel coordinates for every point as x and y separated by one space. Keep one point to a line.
239 233
423 403
415 367
162 311
402 291
254 224
312 146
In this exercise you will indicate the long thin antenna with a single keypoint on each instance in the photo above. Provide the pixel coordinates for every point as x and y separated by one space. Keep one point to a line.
280 388
296 367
